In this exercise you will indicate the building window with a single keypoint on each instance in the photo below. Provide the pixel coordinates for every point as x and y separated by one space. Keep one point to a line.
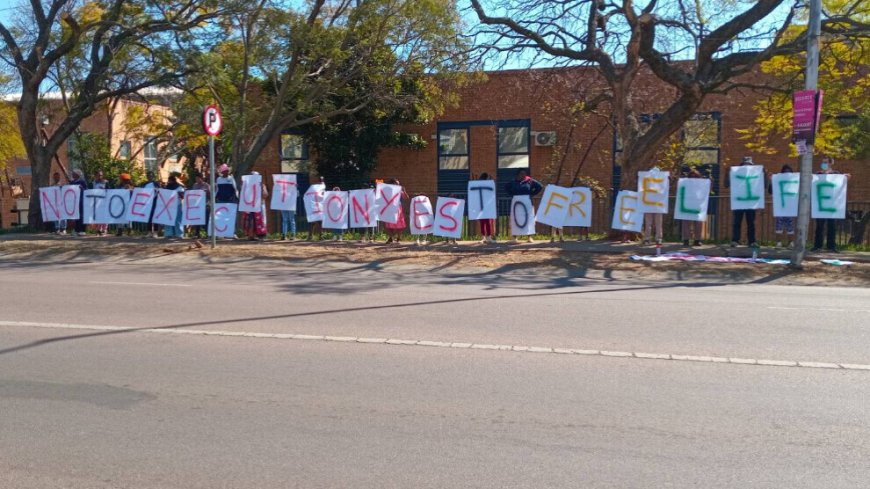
453 149
701 138
149 155
294 154
72 152
513 147
125 150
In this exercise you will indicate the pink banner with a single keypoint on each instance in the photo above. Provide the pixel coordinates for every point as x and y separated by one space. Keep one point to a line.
807 113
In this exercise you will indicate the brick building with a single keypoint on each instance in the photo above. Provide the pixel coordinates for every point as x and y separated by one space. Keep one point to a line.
142 143
527 119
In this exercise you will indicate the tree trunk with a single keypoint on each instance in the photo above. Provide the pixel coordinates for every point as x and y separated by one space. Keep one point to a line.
40 160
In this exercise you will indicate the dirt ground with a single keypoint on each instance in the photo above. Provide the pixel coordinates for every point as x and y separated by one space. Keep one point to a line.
595 260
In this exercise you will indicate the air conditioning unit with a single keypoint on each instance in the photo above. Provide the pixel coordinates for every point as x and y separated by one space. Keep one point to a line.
545 138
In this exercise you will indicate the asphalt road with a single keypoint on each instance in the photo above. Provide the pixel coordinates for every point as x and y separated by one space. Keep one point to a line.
84 402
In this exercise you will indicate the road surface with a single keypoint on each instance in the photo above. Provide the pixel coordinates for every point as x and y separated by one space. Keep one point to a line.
268 374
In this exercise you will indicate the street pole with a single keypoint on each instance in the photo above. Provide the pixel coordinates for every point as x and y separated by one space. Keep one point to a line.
814 30
212 192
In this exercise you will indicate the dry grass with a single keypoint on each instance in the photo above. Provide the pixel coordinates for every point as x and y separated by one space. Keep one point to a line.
436 257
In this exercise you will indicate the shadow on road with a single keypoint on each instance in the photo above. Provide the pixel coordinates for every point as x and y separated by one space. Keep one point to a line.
48 341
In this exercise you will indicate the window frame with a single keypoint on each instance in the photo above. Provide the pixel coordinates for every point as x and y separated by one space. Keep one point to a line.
466 155
150 163
289 164
521 124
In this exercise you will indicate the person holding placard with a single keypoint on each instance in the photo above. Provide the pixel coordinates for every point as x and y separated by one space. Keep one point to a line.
254 222
653 183
100 183
174 230
201 184
59 225
152 183
315 192
487 226
738 215
226 192
523 185
395 230
125 182
691 229
79 179
338 234
783 226
829 234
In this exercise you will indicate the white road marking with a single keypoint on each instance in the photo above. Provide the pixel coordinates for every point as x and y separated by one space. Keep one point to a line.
147 284
822 309
447 344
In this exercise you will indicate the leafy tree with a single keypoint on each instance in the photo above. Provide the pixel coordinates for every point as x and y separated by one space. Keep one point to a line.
97 50
843 75
281 67
93 151
631 45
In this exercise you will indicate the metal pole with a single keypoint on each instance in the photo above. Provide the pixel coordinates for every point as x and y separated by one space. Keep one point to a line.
806 162
213 190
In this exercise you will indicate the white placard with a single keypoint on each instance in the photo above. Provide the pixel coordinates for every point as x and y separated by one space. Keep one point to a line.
194 208
626 214
313 201
785 194
481 200
49 203
70 202
335 209
114 208
522 216
166 206
829 196
92 199
580 208
422 215
363 212
285 192
747 187
653 188
554 207
251 194
141 201
225 220
448 217
693 198
388 203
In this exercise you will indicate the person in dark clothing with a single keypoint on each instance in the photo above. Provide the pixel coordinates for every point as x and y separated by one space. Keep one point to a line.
79 179
226 192
826 228
523 184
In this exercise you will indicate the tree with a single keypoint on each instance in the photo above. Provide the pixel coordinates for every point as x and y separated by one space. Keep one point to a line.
11 145
631 45
845 125
281 67
111 48
93 151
